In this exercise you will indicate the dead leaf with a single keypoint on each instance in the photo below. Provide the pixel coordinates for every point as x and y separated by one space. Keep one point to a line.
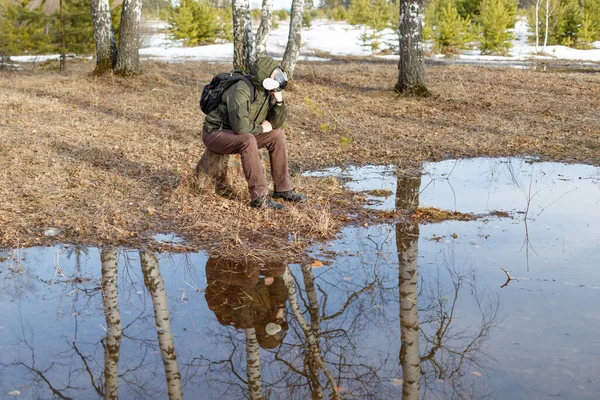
317 264
476 373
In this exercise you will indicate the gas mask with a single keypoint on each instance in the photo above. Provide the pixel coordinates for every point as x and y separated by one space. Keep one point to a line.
277 83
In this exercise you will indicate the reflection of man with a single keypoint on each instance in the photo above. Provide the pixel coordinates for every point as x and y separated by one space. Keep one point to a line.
249 296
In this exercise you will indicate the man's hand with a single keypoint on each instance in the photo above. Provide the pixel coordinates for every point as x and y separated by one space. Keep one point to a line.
278 96
266 126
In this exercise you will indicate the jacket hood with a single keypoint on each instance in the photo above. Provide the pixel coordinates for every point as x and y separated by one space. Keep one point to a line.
262 69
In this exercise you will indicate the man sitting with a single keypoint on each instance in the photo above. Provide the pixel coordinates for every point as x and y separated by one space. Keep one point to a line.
242 126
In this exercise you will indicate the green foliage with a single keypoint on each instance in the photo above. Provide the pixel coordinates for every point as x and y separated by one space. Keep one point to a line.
570 23
448 30
198 22
495 19
307 18
590 27
338 14
468 8
359 12
281 15
23 29
568 26
256 14
225 23
79 31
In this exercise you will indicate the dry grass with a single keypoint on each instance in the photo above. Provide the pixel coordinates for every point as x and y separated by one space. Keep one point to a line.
110 161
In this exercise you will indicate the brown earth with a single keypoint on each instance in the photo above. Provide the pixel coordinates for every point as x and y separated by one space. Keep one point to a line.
109 161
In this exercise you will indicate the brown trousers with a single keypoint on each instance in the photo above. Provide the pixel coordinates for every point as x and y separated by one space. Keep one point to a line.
247 145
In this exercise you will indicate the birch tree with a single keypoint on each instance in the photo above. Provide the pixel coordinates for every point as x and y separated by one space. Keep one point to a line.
315 361
106 47
128 57
243 38
156 287
114 333
125 59
407 241
292 49
411 67
264 28
253 364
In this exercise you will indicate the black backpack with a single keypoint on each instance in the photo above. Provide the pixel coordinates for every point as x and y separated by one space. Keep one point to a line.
212 93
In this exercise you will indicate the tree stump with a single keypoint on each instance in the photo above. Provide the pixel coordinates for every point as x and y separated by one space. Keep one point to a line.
219 171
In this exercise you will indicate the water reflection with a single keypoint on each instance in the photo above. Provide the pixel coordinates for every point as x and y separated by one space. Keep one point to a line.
250 297
401 310
407 242
435 354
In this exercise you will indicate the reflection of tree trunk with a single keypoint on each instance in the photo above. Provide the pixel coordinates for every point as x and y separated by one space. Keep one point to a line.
407 241
313 301
156 286
114 334
253 364
314 360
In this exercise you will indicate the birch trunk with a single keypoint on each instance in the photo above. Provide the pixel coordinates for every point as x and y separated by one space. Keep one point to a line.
547 20
313 302
112 346
128 59
243 40
537 25
314 360
411 66
253 365
106 47
156 287
265 28
292 49
407 241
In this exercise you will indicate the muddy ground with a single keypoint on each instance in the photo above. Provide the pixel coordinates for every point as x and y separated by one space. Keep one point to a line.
108 161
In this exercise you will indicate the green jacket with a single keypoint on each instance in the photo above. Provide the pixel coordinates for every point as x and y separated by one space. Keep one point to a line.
237 113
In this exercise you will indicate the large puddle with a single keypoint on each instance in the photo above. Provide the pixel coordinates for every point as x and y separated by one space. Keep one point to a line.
390 310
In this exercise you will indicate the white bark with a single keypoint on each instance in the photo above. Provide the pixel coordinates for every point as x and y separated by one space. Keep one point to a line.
106 48
537 25
253 364
265 28
112 345
156 287
547 23
243 39
313 301
315 361
407 240
411 66
292 49
128 59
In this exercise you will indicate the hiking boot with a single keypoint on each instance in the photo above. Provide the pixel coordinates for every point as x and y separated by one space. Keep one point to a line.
290 195
266 202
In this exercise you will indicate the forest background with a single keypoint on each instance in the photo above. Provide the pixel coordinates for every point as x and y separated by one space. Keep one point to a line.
451 26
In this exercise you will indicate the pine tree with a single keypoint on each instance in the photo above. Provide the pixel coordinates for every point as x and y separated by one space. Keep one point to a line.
569 24
183 24
79 32
195 22
447 28
207 25
23 29
495 19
